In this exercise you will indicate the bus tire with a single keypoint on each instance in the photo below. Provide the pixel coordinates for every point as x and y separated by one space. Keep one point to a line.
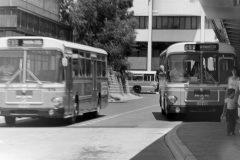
73 119
97 112
170 116
137 89
10 121
163 111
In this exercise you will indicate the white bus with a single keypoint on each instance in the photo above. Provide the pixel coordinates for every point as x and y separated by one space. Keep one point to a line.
48 78
196 77
142 81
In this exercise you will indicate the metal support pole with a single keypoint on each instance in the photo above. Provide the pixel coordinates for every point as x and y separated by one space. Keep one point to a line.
149 54
202 37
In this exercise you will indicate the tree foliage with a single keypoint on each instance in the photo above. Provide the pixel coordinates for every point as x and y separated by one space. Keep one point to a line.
106 24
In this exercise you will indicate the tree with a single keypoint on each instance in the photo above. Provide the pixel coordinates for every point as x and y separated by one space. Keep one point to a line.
106 24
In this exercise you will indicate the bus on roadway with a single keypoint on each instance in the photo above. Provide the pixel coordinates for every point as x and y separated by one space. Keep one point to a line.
48 78
196 77
142 81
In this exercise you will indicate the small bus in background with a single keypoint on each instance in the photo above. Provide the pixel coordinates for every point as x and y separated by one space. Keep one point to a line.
48 78
196 77
142 81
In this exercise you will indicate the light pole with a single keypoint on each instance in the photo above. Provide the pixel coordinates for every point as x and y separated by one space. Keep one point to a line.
149 54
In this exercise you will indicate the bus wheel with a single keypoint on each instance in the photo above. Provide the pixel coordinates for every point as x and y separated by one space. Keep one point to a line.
137 89
10 121
163 111
170 116
73 119
97 112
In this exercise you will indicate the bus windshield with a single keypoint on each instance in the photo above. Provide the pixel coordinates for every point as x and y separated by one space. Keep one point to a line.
10 65
41 66
193 68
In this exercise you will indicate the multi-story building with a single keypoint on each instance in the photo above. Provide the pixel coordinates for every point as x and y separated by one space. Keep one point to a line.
164 22
32 17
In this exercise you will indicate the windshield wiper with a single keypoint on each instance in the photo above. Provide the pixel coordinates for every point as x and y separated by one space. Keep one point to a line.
14 76
34 77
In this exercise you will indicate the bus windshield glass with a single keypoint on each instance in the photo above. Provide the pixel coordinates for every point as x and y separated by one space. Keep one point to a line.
193 67
43 66
11 63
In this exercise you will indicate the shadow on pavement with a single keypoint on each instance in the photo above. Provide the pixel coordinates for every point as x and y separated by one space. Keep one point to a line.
158 150
189 117
48 122
158 116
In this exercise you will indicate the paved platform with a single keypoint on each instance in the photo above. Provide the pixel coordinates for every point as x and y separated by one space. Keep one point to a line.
203 141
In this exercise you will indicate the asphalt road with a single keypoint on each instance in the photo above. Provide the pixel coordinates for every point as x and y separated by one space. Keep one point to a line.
130 130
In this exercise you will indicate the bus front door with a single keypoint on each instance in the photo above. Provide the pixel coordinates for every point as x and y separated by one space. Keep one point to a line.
69 88
94 84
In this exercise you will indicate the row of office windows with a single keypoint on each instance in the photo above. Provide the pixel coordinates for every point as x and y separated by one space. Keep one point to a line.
32 24
172 22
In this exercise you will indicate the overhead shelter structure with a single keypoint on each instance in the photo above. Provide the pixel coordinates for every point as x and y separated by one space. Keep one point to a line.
225 15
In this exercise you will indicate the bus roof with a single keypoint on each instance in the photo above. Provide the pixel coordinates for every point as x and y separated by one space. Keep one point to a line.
52 43
180 47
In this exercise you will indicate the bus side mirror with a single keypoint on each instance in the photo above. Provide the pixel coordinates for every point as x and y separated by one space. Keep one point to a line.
64 62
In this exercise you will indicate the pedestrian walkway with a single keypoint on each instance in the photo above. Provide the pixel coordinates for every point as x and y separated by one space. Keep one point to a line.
204 141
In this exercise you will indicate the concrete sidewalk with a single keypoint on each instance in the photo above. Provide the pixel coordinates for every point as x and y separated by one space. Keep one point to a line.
203 141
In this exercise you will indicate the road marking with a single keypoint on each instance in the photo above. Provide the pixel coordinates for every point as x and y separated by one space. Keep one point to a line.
114 116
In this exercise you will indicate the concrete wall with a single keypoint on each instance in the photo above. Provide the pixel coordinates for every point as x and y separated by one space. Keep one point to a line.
168 7
175 35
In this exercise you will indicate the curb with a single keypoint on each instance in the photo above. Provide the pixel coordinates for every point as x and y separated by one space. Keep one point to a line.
120 98
179 150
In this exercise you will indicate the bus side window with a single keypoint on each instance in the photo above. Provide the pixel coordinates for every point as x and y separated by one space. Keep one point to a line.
82 67
75 67
104 69
225 69
99 69
88 68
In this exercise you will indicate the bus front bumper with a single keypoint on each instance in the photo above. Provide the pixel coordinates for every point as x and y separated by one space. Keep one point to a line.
33 112
192 109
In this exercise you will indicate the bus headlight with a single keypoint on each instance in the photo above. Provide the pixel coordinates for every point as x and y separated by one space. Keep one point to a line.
57 102
51 112
172 99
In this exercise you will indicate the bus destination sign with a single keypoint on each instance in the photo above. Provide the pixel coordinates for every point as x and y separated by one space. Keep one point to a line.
202 47
25 42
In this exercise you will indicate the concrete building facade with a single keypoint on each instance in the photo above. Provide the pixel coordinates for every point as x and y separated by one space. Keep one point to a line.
32 17
164 22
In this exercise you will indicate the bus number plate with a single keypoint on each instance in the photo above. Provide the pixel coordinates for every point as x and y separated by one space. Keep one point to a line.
23 106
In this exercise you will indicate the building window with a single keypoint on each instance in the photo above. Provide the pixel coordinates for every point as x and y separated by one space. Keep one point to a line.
176 24
154 22
194 23
164 23
208 23
182 23
142 22
170 22
159 22
188 23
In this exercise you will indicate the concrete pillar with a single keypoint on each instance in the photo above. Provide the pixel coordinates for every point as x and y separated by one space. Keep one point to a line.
149 54
202 37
